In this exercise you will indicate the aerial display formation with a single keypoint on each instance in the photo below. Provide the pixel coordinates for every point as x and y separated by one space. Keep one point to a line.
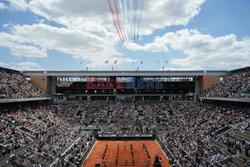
127 17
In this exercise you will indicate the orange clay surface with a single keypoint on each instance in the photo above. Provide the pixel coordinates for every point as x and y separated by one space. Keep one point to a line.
140 156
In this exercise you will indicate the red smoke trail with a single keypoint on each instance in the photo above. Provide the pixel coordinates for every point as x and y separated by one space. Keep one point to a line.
113 15
117 18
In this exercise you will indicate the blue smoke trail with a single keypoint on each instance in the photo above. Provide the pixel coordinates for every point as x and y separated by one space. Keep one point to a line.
140 17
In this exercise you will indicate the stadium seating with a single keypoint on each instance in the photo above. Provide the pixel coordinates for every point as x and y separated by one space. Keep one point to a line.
236 85
188 141
14 85
201 133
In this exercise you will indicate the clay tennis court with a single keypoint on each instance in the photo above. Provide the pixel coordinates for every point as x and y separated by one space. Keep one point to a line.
124 154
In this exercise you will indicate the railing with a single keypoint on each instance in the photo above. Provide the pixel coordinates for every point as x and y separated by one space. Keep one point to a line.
85 154
71 144
24 99
222 131
167 152
7 157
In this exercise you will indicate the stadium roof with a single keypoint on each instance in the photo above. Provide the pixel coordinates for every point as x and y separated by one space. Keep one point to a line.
125 73
240 69
8 69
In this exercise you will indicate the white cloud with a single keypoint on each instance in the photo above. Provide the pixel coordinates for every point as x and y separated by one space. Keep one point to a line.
156 14
206 51
22 66
2 6
34 40
3 64
162 13
182 69
20 5
28 51
88 31
77 42
5 25
28 64
151 47
19 48
17 5
92 16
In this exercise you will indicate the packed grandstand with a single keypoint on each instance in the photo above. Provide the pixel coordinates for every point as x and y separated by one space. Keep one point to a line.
236 84
197 133
14 85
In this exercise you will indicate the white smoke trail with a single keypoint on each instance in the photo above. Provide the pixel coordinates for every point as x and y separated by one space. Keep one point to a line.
140 16
123 19
135 20
130 19
126 19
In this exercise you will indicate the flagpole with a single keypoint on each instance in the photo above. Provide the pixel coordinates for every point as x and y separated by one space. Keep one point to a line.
166 62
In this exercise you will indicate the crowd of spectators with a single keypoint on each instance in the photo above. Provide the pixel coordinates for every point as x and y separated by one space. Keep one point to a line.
75 154
50 127
194 141
14 85
194 127
236 85
192 132
124 117
190 129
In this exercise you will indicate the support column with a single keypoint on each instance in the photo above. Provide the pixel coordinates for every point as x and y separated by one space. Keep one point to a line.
53 86
170 98
197 85
195 97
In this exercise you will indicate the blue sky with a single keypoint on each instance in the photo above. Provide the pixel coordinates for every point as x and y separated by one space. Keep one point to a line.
188 35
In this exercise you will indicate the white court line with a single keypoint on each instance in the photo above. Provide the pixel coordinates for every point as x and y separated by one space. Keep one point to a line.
141 155
110 155
162 150
89 153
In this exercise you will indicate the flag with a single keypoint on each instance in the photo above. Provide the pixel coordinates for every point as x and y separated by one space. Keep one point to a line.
107 61
115 62
141 62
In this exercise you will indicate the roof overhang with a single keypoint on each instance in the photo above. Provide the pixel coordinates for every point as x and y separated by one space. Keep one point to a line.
125 73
